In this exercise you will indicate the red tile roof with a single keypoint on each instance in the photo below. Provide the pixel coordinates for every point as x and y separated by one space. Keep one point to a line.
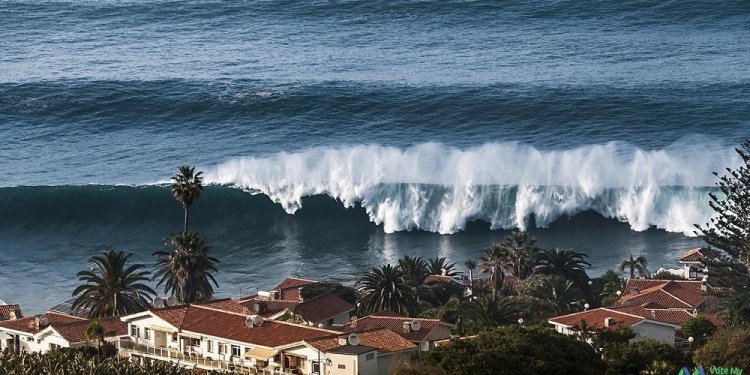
323 307
227 304
289 288
697 255
75 332
267 308
395 324
5 312
663 294
382 339
437 279
595 318
676 317
35 323
231 326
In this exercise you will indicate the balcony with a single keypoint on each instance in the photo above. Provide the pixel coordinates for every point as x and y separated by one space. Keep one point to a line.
194 359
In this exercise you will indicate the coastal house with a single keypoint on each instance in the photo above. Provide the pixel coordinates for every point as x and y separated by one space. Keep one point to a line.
653 308
10 312
692 264
420 331
327 310
288 290
51 330
221 335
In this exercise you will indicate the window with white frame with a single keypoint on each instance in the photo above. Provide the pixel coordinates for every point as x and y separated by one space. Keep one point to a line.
146 333
134 330
209 346
236 352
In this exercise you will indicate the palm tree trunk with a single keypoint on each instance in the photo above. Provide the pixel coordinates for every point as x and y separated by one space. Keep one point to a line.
187 216
632 270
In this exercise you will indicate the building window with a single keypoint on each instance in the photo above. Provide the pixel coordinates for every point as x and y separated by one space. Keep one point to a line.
134 331
209 346
194 342
222 349
316 367
342 366
236 351
370 357
174 337
146 333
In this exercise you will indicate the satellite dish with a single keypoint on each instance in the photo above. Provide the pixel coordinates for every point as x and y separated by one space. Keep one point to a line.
415 325
249 321
158 302
257 320
3 303
171 301
353 339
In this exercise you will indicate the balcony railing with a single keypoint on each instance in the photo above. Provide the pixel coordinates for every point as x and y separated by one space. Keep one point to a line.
195 359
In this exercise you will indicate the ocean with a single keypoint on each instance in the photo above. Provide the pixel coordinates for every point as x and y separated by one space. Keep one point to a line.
339 135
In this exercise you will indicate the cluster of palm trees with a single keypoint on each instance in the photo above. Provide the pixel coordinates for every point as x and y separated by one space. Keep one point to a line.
114 285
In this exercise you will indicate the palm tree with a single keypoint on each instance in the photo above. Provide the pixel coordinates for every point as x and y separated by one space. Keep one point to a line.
386 288
471 266
112 287
185 270
519 254
439 265
492 312
491 263
639 263
566 263
186 188
414 269
95 331
559 292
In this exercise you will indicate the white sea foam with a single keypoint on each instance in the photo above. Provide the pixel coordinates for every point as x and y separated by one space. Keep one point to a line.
437 188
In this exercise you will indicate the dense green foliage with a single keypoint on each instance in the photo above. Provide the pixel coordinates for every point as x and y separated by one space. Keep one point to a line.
186 188
727 347
641 357
557 291
419 368
346 293
729 228
699 328
74 362
185 270
112 286
632 265
517 350
383 288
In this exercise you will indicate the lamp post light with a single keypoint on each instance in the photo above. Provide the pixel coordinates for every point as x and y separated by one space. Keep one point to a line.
586 306
520 321
619 292
590 283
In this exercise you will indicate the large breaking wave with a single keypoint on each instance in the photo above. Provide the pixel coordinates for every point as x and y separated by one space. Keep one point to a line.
436 188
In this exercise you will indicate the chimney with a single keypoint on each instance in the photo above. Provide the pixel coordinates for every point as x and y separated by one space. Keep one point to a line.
13 315
407 327
353 322
653 314
608 321
443 272
342 341
704 284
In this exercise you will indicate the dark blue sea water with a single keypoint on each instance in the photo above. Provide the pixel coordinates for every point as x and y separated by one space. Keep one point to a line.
342 134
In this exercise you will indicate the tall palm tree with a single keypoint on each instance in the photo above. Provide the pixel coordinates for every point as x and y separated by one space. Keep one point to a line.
95 331
414 269
492 312
559 292
438 265
471 266
491 263
186 188
519 254
185 270
386 288
566 263
112 287
639 264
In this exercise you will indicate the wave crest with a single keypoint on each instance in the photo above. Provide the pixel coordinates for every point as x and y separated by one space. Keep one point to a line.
436 188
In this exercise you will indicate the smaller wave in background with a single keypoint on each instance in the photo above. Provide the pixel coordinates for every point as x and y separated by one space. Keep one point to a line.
435 188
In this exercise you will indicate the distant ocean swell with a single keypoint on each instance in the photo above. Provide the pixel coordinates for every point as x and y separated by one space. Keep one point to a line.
435 188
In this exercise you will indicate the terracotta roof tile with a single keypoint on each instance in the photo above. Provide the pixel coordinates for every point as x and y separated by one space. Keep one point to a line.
395 324
697 255
32 324
228 325
595 318
663 294
437 279
382 339
75 332
289 288
227 304
323 307
6 310
267 308
671 316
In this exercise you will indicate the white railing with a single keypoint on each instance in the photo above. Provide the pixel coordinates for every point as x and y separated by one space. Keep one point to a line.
195 359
